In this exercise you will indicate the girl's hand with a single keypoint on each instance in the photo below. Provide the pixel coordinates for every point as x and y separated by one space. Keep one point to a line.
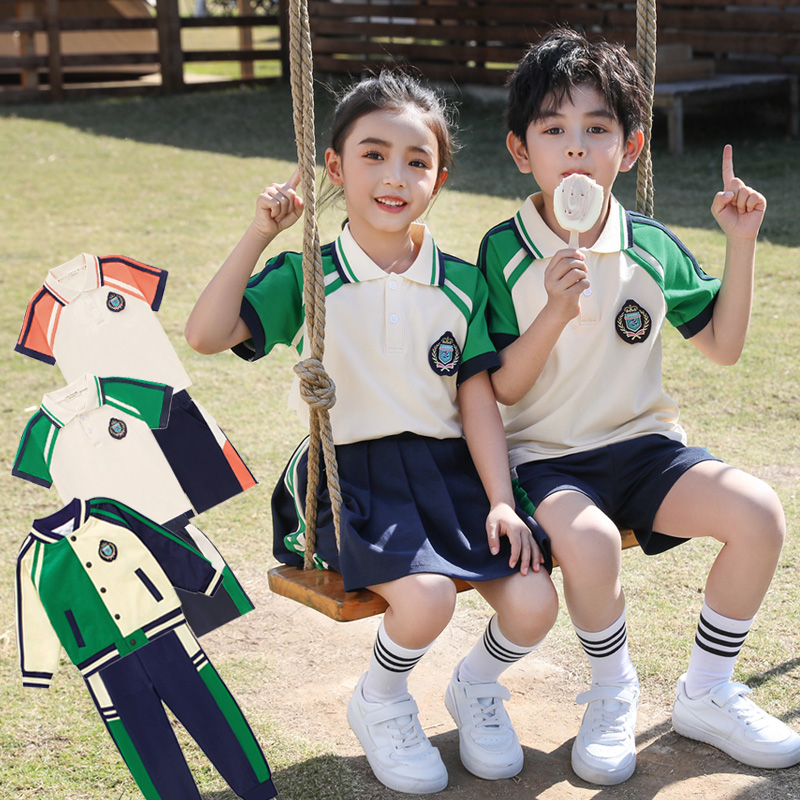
503 521
738 209
565 278
278 207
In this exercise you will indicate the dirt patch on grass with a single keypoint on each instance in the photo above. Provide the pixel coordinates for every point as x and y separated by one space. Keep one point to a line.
313 664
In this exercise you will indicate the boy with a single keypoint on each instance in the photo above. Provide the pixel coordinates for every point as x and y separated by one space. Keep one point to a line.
593 438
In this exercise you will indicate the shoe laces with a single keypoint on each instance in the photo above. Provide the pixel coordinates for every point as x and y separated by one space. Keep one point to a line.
487 713
407 734
608 716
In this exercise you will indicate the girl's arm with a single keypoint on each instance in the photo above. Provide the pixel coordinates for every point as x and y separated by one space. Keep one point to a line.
739 210
483 431
214 324
522 362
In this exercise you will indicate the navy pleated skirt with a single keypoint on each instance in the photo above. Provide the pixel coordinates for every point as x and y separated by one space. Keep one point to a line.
409 504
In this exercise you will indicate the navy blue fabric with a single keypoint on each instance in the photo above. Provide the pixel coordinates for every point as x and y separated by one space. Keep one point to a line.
409 504
195 456
627 481
163 673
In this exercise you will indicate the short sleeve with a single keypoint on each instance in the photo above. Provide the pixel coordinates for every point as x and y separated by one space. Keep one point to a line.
690 293
32 462
38 327
134 278
501 315
144 399
272 306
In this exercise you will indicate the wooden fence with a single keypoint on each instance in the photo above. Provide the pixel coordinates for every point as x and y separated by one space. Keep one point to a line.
475 41
42 68
466 41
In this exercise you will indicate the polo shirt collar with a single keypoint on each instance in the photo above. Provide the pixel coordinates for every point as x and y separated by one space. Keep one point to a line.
79 397
67 281
354 265
542 242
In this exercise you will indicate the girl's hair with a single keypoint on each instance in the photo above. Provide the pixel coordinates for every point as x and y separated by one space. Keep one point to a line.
390 90
562 60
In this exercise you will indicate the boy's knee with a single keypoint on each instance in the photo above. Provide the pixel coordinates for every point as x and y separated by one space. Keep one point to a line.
590 552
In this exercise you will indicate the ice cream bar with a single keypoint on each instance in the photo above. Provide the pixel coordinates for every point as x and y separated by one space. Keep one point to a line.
577 203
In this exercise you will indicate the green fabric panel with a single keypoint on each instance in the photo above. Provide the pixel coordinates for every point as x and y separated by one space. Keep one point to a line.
143 399
96 624
235 718
131 757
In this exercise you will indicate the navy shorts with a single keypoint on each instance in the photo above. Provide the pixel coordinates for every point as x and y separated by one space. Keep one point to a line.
627 481
202 457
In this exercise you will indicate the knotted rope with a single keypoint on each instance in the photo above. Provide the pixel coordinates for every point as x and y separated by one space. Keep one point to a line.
316 386
646 30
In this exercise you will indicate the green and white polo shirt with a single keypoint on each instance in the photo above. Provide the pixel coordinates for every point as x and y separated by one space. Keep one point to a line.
94 438
396 345
602 382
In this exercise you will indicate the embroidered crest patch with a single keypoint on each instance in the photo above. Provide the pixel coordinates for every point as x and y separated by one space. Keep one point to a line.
445 355
107 550
115 302
117 428
633 323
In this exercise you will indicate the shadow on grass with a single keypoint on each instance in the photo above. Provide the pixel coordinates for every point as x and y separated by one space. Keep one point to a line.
257 123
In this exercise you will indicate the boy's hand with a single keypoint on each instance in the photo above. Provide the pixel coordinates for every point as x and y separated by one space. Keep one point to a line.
565 279
738 209
278 207
503 521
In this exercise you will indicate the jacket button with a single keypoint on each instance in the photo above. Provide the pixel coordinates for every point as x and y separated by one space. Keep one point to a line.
88 563
103 589
116 616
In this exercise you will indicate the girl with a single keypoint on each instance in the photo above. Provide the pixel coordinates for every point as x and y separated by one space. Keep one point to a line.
408 350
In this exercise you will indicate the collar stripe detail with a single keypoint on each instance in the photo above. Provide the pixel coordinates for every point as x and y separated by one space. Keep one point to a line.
525 237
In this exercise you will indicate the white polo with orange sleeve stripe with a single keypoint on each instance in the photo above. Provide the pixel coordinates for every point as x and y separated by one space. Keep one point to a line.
95 314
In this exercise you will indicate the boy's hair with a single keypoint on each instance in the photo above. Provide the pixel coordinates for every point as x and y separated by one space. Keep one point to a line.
391 90
564 59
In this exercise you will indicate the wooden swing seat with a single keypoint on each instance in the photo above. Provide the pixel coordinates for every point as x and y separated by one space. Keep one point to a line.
323 589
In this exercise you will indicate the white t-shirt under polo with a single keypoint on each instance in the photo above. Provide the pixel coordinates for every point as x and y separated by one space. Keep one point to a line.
93 438
602 381
95 314
396 345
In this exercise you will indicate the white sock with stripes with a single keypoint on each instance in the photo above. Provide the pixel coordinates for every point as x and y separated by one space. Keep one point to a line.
387 677
492 654
716 647
607 651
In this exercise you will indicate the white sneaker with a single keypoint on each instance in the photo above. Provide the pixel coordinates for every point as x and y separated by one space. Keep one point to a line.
396 747
729 720
487 743
604 751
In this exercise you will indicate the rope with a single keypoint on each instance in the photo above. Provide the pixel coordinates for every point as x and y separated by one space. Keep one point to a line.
646 29
316 387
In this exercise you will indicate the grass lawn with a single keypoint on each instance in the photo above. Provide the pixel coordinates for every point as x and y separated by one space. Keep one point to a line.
172 181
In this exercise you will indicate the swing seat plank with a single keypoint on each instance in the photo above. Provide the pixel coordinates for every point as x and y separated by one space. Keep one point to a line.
323 589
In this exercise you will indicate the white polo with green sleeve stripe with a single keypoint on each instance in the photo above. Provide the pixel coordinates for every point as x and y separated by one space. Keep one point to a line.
396 345
94 438
602 381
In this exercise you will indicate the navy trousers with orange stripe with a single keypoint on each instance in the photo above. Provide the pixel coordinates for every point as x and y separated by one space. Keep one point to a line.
173 669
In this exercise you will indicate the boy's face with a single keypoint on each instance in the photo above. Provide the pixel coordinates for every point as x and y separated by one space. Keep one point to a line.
581 135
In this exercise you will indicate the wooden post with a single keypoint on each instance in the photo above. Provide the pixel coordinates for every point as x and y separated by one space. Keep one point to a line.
55 70
283 17
243 8
29 77
170 49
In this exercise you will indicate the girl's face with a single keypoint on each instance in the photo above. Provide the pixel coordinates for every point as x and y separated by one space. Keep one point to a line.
388 168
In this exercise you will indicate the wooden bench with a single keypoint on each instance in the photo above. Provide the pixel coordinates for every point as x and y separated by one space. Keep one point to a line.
323 590
675 96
